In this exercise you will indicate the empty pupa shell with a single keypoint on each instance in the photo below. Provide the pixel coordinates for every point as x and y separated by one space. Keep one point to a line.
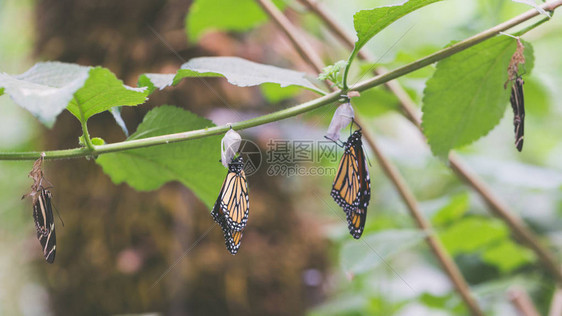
230 144
342 117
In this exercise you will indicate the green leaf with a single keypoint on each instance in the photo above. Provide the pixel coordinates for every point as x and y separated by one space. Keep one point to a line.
465 98
368 23
449 302
45 89
537 98
508 256
406 57
98 141
358 257
375 102
237 71
332 73
224 15
155 81
273 93
194 163
471 234
101 92
455 209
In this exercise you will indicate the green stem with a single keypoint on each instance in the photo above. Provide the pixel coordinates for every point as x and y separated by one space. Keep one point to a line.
348 66
86 137
178 137
282 114
85 133
532 26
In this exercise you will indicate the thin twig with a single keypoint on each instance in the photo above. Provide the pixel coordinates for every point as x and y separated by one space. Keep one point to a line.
501 210
556 303
85 134
390 170
518 228
521 300
435 244
298 41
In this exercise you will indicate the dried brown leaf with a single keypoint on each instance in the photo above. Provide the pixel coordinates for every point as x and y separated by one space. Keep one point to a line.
516 59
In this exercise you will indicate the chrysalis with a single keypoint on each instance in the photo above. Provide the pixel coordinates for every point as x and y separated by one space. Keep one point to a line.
342 117
230 144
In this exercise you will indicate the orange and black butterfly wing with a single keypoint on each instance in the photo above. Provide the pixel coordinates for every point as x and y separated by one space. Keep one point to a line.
234 196
357 216
352 185
235 201
364 178
232 238
45 224
347 183
356 219
232 206
217 212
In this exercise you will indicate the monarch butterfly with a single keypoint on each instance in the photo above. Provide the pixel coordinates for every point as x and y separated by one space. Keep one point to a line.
232 206
352 186
518 105
43 212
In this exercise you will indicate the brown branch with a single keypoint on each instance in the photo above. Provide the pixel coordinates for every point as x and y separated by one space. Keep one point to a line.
297 40
408 105
518 228
522 302
499 209
556 303
434 243
390 170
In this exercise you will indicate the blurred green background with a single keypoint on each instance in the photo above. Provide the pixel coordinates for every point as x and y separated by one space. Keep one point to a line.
117 247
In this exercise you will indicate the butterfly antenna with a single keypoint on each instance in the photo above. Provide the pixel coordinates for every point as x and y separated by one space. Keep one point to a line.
335 141
366 155
356 124
58 214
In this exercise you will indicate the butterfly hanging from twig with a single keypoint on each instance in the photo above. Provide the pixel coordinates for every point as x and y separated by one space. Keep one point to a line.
518 105
42 211
516 99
